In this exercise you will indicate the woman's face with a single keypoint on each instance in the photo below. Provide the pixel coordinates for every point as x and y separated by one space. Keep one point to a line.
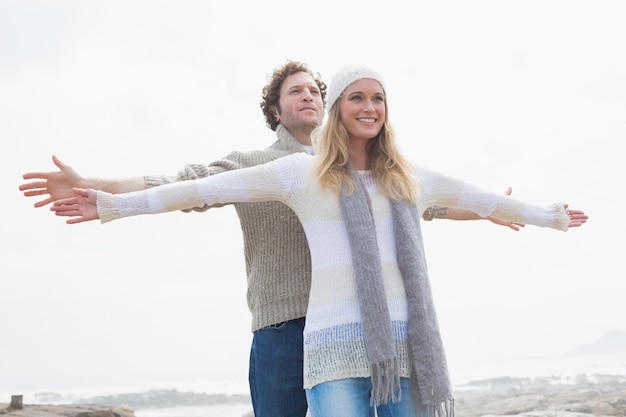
362 109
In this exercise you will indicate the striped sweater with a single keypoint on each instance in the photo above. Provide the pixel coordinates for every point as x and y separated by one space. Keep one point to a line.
333 337
277 259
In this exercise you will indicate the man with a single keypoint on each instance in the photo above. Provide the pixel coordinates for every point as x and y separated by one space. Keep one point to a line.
275 247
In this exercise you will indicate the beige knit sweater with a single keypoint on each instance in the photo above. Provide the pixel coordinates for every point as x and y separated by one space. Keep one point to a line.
278 262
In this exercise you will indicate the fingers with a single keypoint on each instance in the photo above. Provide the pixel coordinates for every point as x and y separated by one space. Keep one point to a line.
73 208
58 163
516 226
82 192
578 222
577 217
59 204
35 189
43 202
67 211
42 175
577 214
34 193
32 175
519 226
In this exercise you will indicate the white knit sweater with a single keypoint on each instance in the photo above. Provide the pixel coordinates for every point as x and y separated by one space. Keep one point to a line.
333 339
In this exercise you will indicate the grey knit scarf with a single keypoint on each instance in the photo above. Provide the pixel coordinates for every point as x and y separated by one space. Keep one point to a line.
430 384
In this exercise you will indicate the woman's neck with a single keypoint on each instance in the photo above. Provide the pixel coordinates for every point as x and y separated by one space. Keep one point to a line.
358 155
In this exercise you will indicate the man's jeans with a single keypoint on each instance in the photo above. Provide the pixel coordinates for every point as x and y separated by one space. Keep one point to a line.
276 369
350 397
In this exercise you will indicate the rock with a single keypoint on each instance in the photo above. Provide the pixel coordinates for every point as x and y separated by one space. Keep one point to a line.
544 398
68 410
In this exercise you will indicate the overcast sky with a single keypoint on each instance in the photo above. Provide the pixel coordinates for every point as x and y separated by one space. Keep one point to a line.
529 94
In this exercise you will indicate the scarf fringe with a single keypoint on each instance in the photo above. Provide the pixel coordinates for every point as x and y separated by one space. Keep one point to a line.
443 409
385 382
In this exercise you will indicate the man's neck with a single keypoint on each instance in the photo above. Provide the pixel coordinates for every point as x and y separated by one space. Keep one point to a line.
302 135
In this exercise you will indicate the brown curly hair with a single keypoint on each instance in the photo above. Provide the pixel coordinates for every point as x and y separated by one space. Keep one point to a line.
271 92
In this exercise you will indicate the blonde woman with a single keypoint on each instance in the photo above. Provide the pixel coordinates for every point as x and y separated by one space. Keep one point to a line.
371 339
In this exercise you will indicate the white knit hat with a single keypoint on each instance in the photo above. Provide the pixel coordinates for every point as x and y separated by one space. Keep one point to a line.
345 77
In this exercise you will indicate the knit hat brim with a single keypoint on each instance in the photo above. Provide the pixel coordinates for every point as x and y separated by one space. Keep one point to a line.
346 76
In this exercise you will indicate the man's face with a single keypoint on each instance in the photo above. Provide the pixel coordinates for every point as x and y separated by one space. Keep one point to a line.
301 105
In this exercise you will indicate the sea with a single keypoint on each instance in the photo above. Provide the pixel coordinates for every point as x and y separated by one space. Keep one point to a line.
560 369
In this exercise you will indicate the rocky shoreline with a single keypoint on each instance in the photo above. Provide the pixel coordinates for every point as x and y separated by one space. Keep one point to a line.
65 410
594 395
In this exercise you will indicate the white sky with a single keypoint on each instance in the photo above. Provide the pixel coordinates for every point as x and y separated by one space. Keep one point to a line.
529 94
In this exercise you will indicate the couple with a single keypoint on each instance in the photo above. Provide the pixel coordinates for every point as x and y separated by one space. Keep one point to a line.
371 330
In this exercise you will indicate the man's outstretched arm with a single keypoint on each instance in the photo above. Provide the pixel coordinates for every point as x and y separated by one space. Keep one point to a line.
60 184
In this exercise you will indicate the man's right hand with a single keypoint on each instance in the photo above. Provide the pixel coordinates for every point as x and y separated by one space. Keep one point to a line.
57 185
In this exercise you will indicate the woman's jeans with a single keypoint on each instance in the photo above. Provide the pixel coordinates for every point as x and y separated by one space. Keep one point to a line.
276 369
351 398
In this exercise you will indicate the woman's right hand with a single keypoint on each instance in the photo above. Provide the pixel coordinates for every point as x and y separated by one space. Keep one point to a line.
81 208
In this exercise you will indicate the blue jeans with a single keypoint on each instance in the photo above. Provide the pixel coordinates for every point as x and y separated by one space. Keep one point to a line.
351 398
276 371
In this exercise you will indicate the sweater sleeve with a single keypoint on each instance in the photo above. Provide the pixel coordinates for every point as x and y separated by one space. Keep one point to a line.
196 171
443 190
268 182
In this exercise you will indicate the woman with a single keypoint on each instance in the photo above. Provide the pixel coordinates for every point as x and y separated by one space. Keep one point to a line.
371 338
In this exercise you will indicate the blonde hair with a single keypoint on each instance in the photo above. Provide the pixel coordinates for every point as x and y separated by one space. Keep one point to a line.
393 173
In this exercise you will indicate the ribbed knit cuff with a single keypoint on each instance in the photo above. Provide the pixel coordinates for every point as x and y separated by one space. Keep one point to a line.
107 210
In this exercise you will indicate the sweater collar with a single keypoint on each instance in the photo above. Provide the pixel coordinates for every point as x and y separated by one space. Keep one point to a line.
287 140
